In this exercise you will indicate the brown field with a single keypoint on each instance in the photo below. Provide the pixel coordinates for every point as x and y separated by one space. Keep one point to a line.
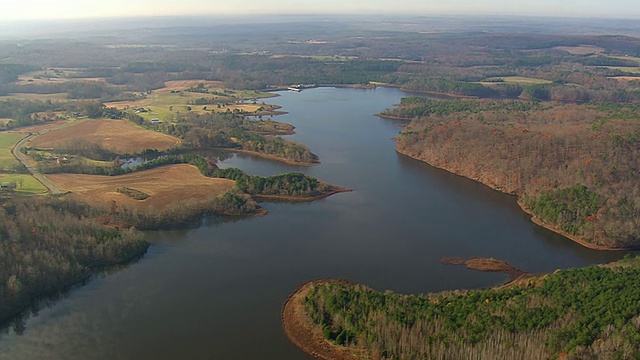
40 127
30 96
176 85
120 136
625 78
43 80
123 105
245 107
581 50
164 185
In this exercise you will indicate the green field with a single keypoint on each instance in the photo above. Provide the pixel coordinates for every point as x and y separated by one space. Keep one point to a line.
514 80
7 141
636 59
164 105
25 184
633 70
28 96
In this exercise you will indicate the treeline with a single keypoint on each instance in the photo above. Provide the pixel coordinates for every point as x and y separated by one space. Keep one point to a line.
48 244
79 166
574 166
417 107
289 185
592 312
9 72
33 112
74 90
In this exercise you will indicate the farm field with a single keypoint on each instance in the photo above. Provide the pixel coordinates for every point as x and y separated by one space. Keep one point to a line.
7 141
626 78
211 96
581 50
25 184
514 80
119 136
633 70
31 96
163 185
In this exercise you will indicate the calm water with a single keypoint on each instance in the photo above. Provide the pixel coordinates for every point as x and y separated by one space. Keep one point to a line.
215 292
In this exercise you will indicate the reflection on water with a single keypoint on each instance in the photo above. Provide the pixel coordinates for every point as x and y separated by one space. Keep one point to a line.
215 290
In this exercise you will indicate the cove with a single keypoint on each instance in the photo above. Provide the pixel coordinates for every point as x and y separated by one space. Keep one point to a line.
215 291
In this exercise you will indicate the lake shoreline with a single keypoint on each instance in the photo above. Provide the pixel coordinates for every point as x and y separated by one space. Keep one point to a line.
334 190
534 218
306 336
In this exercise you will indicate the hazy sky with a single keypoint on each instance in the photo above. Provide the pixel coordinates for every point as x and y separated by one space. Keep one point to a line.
62 9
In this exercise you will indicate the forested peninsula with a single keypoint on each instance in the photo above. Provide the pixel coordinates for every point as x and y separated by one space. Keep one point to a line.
573 314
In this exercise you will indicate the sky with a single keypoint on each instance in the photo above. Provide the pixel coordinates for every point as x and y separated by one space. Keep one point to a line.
77 9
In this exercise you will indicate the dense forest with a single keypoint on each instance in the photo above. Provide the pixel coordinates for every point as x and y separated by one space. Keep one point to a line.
46 245
573 166
589 313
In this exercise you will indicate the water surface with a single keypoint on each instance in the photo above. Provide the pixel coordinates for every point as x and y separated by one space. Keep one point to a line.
215 291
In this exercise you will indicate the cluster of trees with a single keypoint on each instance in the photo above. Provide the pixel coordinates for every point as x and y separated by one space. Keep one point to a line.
572 165
80 166
573 209
48 244
274 145
592 312
204 131
290 184
178 214
132 193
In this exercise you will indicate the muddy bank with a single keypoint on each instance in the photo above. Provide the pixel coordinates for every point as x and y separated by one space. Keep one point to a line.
489 265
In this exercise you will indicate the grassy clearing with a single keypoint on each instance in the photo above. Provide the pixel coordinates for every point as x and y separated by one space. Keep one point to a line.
625 78
27 96
581 50
636 59
7 141
26 184
633 70
514 80
318 57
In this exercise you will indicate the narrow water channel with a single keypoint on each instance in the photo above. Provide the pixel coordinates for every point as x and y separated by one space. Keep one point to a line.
215 291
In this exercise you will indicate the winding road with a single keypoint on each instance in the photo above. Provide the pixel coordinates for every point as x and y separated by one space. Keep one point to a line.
54 190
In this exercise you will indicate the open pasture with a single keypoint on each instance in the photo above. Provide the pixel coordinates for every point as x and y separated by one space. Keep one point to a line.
119 136
164 185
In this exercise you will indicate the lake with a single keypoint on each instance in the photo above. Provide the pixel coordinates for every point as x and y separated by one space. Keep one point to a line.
215 291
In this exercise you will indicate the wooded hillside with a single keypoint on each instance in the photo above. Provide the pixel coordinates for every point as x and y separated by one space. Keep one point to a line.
574 166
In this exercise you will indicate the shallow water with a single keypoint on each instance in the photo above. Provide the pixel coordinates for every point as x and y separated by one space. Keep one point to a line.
215 291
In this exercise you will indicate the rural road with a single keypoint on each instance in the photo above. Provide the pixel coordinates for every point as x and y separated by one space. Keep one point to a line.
54 190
